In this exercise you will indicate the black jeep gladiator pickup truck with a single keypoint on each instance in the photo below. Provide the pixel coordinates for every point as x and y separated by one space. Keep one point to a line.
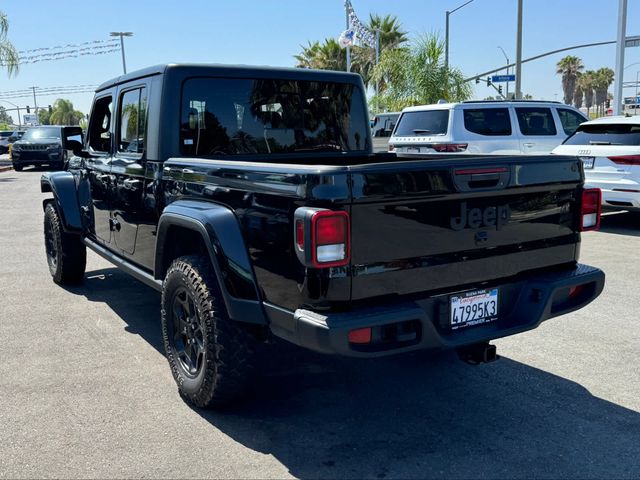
251 199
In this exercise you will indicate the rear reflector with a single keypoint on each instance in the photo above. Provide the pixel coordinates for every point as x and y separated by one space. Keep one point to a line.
449 147
626 159
300 234
590 209
360 336
329 239
575 291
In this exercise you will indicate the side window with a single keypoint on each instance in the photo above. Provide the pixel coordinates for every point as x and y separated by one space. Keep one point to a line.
535 121
488 121
100 125
131 124
570 120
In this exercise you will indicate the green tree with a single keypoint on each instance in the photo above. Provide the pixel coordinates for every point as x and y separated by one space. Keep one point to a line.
569 67
323 56
586 83
44 117
602 81
417 75
64 114
391 36
5 117
9 58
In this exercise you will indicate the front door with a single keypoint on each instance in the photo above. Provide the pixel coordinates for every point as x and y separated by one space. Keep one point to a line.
99 144
128 166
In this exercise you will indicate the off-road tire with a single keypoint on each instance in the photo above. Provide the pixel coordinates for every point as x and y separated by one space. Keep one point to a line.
226 357
66 254
17 168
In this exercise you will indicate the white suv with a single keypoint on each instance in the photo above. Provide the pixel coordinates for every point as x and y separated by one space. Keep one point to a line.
496 127
609 148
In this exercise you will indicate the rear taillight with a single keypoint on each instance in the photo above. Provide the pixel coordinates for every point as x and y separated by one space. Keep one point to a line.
626 159
590 210
322 237
449 147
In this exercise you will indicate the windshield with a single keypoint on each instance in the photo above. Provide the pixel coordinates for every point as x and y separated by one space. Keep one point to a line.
42 132
230 116
606 134
429 122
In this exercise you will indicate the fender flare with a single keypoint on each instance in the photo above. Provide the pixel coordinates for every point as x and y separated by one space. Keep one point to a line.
220 231
65 196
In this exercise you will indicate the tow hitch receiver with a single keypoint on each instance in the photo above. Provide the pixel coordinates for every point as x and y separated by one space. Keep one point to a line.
478 353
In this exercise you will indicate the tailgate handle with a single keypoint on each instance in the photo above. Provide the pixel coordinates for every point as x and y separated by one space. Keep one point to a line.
481 178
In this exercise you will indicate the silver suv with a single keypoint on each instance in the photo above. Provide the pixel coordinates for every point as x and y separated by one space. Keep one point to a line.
496 127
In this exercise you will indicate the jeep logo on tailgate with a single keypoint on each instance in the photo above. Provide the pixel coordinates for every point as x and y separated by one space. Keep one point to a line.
479 217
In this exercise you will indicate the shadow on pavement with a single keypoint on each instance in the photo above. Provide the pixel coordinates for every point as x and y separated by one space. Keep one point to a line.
411 416
624 223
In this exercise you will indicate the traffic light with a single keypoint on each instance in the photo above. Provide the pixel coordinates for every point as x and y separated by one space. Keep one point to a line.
50 110
608 104
488 82
500 89
28 109
477 80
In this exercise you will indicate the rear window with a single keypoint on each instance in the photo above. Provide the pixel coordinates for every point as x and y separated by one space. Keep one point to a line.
487 121
605 134
429 122
237 116
535 121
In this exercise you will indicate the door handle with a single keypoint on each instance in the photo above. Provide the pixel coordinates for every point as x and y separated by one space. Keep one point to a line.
132 183
529 144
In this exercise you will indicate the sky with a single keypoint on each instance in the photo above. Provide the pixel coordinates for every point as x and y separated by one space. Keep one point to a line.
270 32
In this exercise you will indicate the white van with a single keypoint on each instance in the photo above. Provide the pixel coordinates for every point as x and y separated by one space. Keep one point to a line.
496 127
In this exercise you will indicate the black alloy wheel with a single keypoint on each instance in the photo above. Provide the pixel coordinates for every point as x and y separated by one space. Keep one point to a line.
187 338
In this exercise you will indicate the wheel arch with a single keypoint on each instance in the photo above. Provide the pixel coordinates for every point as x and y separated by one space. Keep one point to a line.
192 227
63 187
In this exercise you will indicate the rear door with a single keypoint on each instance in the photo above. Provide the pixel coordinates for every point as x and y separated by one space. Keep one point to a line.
128 165
428 225
538 132
487 129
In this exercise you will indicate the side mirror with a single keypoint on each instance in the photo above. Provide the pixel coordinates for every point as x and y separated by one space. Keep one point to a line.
76 147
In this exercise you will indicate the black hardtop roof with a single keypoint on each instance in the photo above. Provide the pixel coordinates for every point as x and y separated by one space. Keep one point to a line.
196 69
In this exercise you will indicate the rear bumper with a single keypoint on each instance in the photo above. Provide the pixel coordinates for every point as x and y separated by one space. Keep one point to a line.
618 195
524 304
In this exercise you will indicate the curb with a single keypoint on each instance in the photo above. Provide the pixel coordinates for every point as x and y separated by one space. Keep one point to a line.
6 168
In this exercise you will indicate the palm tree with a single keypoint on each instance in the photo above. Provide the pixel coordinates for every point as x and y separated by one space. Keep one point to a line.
417 75
586 82
8 55
602 81
324 56
63 113
569 67
308 57
577 96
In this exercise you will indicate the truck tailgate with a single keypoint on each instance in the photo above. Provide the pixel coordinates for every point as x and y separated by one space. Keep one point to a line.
434 223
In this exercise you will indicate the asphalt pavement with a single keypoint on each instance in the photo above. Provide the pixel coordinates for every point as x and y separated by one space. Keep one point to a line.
85 390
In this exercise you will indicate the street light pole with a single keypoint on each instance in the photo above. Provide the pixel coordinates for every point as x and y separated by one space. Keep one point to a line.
507 58
122 35
620 46
635 110
446 32
18 109
35 102
519 54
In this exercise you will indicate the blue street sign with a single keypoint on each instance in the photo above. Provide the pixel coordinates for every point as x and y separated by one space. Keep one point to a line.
503 78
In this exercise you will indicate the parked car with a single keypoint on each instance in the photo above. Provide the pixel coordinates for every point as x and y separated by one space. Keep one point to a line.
4 141
383 125
609 148
44 145
495 127
252 200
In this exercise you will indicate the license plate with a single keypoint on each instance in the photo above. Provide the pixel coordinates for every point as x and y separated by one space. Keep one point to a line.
413 149
473 308
588 162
